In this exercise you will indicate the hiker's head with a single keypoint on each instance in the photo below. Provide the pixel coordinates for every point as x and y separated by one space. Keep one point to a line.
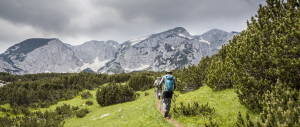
169 72
158 78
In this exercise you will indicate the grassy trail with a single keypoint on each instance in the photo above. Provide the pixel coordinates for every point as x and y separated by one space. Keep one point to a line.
139 113
170 120
144 111
226 104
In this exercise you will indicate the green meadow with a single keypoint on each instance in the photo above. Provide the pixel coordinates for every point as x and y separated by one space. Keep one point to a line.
143 113
225 103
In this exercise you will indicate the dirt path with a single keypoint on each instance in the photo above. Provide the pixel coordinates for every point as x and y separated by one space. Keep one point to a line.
170 120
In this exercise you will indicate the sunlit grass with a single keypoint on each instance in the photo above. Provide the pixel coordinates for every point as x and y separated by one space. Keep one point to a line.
226 104
141 113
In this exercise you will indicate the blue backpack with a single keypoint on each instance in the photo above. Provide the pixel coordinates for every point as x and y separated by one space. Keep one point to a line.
169 83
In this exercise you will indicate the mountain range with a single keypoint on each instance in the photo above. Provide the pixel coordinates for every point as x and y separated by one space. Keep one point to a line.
171 49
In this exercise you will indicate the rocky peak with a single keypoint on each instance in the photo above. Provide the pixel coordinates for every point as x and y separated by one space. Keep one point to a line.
28 45
178 31
216 35
170 49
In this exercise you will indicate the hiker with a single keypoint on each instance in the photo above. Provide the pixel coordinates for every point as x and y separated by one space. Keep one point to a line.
157 87
168 86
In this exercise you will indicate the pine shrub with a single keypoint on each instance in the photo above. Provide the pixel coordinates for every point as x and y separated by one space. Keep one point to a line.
211 123
192 77
114 93
42 90
267 59
267 51
119 78
242 122
192 109
64 110
89 102
7 122
219 74
281 107
82 113
36 119
86 95
75 108
141 82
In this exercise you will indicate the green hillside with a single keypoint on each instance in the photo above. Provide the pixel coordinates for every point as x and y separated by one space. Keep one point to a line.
225 102
143 112
258 71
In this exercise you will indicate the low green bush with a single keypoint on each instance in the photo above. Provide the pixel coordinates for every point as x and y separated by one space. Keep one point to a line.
244 122
219 74
86 95
6 122
75 108
281 108
140 82
192 77
36 119
211 123
114 93
82 113
192 109
64 110
137 95
20 110
89 102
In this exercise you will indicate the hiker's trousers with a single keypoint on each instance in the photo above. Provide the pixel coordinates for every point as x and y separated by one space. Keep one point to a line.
166 100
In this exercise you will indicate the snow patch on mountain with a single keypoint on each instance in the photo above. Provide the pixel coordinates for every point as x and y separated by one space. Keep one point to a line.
95 65
171 49
205 41
142 67
184 36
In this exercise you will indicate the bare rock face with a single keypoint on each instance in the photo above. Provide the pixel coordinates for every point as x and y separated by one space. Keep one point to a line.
171 49
38 55
168 50
95 54
41 55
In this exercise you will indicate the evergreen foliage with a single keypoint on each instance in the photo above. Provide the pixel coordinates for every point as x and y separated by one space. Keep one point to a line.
114 93
192 109
211 123
268 51
263 64
82 113
86 95
219 73
281 107
40 119
192 77
241 122
89 102
141 82
64 110
119 78
41 90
